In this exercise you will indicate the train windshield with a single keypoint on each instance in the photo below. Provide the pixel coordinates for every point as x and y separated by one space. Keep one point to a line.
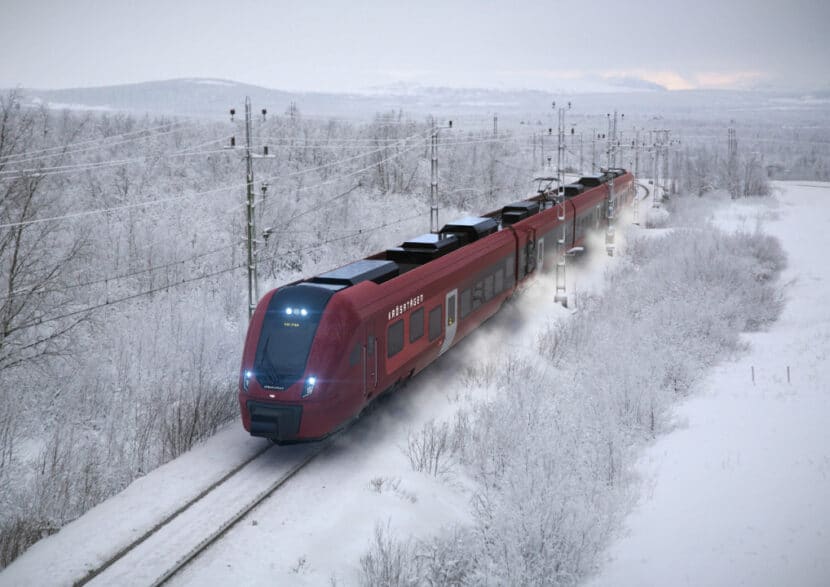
288 330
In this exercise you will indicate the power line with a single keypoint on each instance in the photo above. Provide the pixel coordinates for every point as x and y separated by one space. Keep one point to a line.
78 167
283 231
343 176
65 149
208 275
80 214
118 277
115 278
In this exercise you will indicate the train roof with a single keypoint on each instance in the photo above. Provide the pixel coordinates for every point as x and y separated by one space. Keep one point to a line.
376 270
431 241
427 247
471 228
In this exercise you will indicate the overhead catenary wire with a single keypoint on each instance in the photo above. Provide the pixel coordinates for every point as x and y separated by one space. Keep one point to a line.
67 149
236 206
117 277
207 275
312 186
350 174
112 279
80 214
340 178
80 167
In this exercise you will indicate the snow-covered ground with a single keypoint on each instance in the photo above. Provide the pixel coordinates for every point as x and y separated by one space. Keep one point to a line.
736 494
739 494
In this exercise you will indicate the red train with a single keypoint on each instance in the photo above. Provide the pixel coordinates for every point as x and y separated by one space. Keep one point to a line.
320 349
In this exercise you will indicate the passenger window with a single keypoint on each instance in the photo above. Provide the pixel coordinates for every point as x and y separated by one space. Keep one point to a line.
394 339
499 285
451 310
488 288
478 294
434 323
354 357
416 325
466 303
370 346
521 262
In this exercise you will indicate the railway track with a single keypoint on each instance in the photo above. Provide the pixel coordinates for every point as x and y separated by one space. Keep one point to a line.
177 540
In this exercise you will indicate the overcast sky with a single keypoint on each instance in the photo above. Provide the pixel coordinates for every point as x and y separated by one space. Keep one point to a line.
353 44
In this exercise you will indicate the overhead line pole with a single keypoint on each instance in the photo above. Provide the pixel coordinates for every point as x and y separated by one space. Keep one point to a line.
250 205
655 202
253 285
433 184
593 150
561 295
612 159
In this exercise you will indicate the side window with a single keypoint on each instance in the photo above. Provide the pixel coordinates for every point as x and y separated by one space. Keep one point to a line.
416 325
509 266
354 357
370 346
521 262
435 323
530 257
478 294
466 303
394 339
499 285
488 288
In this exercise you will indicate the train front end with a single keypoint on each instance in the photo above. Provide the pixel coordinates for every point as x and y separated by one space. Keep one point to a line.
292 384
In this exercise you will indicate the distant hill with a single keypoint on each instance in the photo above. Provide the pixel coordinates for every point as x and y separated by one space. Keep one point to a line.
194 97
204 97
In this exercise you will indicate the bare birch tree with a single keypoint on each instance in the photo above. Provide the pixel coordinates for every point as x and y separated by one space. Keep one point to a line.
37 314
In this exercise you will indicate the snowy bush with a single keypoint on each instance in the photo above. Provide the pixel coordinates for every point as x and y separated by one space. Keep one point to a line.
441 561
551 453
428 450
389 562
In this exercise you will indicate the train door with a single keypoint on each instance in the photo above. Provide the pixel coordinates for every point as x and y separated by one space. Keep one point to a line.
450 319
370 362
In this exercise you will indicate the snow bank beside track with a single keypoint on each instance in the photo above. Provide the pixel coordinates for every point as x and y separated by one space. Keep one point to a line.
738 493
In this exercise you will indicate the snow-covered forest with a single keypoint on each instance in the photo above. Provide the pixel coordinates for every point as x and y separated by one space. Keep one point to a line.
123 311
123 269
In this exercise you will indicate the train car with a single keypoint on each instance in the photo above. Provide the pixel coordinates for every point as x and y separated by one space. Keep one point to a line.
320 349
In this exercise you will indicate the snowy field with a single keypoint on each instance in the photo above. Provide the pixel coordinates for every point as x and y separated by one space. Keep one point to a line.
738 494
735 495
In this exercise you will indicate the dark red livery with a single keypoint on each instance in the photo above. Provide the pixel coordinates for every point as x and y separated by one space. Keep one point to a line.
319 350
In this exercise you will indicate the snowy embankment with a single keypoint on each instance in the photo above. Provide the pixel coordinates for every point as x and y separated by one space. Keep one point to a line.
316 529
738 494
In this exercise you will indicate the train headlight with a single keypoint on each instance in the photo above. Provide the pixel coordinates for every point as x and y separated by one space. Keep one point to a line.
308 389
246 379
